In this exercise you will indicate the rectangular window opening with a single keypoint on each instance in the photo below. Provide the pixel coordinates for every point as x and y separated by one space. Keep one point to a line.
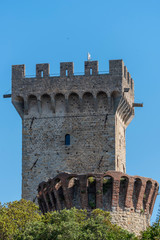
90 71
42 74
67 139
66 72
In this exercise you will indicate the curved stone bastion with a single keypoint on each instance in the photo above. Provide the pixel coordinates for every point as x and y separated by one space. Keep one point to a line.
129 199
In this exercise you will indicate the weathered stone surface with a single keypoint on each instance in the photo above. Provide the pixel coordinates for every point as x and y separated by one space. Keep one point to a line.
92 108
77 123
129 199
132 221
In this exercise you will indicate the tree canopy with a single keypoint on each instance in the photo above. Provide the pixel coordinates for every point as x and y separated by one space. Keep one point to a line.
14 217
21 220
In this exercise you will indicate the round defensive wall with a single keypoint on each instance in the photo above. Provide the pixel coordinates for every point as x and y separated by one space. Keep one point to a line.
129 199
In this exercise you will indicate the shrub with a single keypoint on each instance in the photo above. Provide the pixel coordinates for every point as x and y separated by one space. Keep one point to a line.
14 217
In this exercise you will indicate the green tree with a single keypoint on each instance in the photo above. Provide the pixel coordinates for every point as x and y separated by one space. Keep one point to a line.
21 220
152 232
14 217
75 224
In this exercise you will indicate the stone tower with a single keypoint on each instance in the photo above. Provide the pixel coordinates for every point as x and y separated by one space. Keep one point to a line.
72 123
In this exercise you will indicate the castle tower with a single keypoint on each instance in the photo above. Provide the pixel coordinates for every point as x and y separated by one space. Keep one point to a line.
72 123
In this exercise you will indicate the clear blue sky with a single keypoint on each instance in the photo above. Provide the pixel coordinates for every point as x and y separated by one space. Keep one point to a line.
65 30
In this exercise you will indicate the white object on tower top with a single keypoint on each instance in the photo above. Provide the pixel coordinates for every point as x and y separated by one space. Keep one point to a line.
88 56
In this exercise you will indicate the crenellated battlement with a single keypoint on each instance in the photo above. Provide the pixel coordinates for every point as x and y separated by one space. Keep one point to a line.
74 124
129 80
92 87
116 68
129 199
109 191
92 109
119 193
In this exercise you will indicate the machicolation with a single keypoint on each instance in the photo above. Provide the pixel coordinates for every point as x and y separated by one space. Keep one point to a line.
77 124
116 192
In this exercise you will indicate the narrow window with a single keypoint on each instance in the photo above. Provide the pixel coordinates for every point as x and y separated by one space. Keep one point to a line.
67 140
117 163
41 73
90 71
66 72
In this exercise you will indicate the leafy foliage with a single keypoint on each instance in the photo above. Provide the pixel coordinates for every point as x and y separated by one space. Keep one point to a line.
152 232
91 179
21 220
75 224
14 217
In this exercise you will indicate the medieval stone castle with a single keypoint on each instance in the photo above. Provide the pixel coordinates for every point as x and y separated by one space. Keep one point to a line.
73 142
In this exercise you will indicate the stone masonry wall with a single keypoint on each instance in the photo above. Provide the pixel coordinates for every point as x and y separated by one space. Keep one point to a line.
120 157
91 148
83 107
77 123
131 221
129 199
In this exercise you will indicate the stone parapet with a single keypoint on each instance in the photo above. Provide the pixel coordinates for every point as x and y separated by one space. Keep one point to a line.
112 84
128 198
112 190
92 108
